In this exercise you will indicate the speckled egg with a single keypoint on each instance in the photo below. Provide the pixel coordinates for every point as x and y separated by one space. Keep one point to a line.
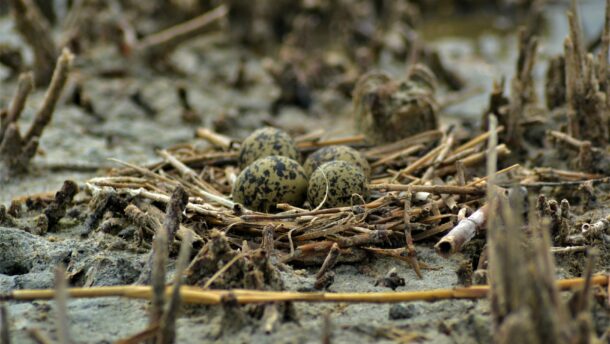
336 153
265 142
269 181
344 180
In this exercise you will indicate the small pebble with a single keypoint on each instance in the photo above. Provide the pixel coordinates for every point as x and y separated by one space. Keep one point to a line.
400 311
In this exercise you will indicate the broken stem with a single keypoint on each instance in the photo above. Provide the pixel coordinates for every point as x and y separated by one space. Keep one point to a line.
60 76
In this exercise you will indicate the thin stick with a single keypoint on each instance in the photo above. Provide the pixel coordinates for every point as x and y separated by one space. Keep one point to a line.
5 334
504 170
167 330
188 173
144 171
432 232
38 336
140 337
479 139
474 159
222 270
401 153
340 141
158 197
434 189
311 136
425 137
157 280
61 300
165 40
568 249
409 246
330 261
419 163
214 297
214 138
439 158
574 142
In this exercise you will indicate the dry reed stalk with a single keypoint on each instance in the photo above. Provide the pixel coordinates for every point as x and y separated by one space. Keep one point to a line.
462 233
400 154
447 145
423 138
35 29
167 324
156 46
148 333
547 173
61 302
330 261
419 163
158 262
473 160
5 333
409 246
600 226
16 150
433 189
214 138
468 227
356 139
587 107
196 295
504 170
477 140
39 336
187 173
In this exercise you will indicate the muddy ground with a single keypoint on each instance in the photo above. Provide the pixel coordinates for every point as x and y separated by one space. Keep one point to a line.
77 146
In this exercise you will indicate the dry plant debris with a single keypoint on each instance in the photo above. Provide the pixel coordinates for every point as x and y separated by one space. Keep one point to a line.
16 150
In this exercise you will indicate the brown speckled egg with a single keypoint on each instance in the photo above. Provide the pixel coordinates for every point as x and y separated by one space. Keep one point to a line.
334 153
344 180
265 142
269 181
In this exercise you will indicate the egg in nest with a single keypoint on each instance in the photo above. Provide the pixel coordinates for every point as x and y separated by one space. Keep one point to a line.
266 142
269 181
336 153
344 179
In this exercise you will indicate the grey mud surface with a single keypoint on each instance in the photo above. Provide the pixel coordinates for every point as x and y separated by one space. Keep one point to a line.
27 262
125 132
